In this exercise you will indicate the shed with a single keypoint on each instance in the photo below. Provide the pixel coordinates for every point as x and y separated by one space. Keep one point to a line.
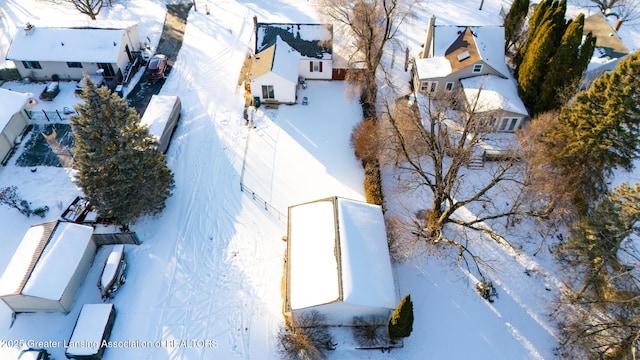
338 262
13 120
48 267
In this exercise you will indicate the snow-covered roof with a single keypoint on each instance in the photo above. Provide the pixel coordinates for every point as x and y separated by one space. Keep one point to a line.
96 41
157 114
489 43
433 67
86 338
279 58
313 41
339 252
111 266
495 93
46 264
11 102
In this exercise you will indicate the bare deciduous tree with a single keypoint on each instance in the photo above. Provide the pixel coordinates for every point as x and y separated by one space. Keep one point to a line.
624 10
432 147
367 26
91 8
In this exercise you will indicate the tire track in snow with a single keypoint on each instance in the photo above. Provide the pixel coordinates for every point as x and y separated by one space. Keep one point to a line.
202 300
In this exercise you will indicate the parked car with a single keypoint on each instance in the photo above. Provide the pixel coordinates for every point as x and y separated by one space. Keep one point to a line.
91 332
156 67
34 354
113 272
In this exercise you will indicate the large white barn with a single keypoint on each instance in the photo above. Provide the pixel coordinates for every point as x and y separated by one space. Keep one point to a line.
338 261
48 267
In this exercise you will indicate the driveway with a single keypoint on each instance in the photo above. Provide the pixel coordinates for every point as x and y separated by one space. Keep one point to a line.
169 45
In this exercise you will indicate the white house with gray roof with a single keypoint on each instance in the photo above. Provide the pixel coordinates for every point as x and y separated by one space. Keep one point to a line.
70 51
285 53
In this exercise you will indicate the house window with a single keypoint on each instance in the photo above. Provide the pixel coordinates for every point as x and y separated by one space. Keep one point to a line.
315 66
74 64
477 68
267 92
31 65
429 86
508 124
449 86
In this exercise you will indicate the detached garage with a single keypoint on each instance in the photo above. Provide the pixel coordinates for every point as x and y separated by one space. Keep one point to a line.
48 267
338 261
13 121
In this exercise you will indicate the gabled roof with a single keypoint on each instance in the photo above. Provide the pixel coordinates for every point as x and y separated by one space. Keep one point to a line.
338 252
11 102
98 41
278 58
493 93
465 45
46 260
607 38
313 41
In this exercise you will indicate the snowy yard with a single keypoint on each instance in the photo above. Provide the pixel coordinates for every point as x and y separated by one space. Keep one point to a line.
206 281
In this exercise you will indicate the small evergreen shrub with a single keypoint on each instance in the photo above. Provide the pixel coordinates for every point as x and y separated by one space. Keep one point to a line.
401 323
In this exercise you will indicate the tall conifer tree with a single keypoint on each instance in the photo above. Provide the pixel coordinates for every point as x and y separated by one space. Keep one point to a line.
119 168
598 132
513 23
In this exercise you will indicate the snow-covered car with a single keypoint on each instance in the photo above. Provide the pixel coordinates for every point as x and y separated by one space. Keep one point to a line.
97 79
156 67
113 272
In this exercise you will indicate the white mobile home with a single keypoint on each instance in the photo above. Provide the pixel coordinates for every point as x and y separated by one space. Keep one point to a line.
161 118
70 51
338 261
13 120
48 267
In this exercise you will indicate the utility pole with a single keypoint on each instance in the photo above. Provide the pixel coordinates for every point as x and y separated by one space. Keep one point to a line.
481 3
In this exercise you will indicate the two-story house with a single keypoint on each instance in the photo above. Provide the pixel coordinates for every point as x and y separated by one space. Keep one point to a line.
470 59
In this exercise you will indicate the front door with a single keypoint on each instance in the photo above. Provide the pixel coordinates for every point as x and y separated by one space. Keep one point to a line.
107 70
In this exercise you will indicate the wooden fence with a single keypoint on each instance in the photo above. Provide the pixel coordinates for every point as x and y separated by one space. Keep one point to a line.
116 238
49 115
272 210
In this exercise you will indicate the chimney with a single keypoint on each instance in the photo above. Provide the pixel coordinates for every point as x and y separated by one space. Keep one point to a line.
427 50
28 28
616 27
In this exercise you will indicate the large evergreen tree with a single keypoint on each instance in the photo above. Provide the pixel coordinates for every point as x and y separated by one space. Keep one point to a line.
565 67
513 22
119 168
599 259
598 132
401 323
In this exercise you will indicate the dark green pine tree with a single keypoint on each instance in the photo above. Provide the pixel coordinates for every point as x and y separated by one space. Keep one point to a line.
548 13
535 65
513 22
565 68
119 168
598 132
401 323
535 20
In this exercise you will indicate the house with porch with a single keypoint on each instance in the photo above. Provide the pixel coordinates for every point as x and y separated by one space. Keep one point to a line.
470 59
286 55
70 51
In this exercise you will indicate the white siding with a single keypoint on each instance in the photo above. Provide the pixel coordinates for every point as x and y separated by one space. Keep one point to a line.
284 90
304 69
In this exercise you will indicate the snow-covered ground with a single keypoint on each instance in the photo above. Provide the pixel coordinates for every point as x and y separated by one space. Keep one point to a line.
209 268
